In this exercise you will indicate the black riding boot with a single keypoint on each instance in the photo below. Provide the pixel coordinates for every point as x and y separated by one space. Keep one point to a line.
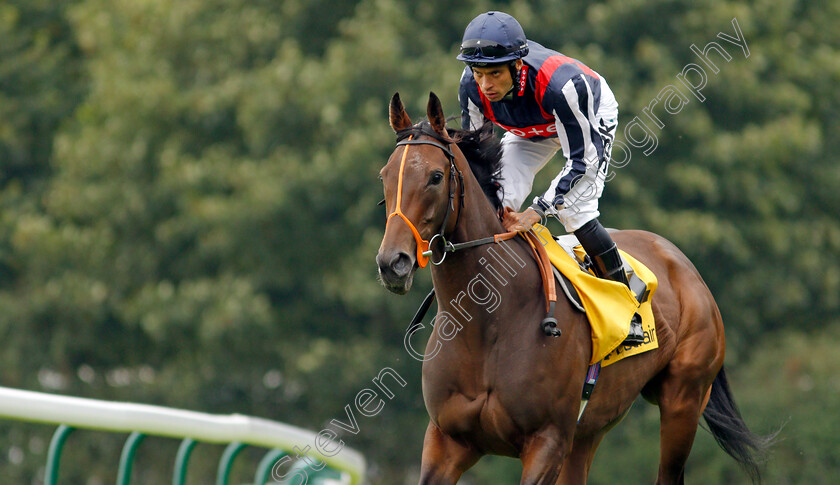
607 264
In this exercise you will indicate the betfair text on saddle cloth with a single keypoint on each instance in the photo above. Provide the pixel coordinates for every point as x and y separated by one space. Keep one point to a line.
546 102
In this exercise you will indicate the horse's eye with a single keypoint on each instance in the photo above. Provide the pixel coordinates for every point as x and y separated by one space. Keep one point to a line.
436 178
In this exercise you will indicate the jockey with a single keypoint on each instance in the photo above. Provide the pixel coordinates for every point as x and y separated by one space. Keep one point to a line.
546 102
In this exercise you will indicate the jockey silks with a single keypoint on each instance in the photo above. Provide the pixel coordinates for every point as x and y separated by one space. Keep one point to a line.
555 98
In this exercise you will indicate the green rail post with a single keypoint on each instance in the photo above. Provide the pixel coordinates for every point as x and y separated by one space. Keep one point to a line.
184 451
226 462
68 413
54 454
127 457
267 465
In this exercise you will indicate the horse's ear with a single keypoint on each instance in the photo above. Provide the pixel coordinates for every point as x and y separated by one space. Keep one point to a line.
434 111
398 117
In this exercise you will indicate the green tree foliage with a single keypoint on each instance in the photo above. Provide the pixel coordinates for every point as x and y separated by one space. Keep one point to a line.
41 81
189 217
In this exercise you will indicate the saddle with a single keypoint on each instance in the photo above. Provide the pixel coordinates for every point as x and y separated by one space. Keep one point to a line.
608 305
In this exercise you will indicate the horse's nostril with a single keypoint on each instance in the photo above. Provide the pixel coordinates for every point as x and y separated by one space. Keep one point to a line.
401 264
396 267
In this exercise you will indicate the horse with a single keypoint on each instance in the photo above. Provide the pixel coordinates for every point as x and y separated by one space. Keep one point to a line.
493 382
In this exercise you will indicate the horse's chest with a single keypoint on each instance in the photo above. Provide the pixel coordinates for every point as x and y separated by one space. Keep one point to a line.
490 394
490 412
482 419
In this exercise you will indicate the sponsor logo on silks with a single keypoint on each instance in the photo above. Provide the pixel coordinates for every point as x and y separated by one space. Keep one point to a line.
523 77
546 130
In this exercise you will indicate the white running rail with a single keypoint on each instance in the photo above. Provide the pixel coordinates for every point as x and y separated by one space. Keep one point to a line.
174 423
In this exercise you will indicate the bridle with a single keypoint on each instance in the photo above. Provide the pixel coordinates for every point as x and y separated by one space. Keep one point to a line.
424 251
425 248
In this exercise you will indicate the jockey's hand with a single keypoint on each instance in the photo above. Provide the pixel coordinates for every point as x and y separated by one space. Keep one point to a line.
520 221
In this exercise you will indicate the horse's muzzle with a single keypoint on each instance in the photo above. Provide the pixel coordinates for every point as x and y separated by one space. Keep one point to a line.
396 270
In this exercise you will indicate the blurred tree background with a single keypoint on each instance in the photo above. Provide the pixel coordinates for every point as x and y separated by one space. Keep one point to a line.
189 188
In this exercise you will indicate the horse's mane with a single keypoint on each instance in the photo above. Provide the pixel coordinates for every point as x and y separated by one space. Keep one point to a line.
484 153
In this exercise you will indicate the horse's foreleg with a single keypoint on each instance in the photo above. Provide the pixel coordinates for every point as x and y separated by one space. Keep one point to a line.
444 459
576 469
542 458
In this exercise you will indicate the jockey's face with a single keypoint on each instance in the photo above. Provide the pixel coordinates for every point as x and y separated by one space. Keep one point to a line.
495 81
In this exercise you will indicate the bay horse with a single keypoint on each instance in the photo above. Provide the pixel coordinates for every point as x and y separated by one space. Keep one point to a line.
493 382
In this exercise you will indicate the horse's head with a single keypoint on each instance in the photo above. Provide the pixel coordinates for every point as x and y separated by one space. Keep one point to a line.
420 180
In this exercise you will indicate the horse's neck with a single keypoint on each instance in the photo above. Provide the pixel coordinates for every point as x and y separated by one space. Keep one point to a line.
477 217
475 282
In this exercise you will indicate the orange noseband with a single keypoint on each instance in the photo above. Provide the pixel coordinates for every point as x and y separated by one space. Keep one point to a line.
422 244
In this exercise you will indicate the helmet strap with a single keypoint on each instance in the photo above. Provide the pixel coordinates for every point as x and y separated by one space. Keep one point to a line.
514 76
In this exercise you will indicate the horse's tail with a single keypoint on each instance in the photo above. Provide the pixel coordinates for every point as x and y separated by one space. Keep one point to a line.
731 432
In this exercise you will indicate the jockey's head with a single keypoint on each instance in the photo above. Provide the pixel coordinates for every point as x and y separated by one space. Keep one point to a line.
493 46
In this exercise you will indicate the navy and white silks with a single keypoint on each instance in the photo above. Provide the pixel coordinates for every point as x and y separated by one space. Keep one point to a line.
557 103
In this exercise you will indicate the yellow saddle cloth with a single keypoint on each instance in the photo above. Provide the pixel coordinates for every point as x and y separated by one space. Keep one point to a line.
609 304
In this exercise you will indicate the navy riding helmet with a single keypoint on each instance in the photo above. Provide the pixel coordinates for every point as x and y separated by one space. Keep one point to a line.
493 38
